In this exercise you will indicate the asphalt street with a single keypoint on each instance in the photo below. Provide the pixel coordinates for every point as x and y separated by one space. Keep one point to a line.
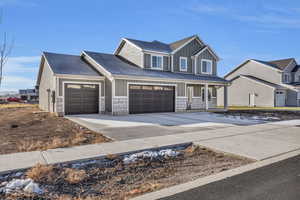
278 181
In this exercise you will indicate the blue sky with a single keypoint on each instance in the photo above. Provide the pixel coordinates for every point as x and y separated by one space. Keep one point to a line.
236 30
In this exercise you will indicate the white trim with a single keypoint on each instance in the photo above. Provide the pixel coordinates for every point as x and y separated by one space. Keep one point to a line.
80 76
142 60
245 62
211 66
93 62
210 50
155 52
199 82
132 44
258 82
172 63
81 83
116 51
173 52
152 84
186 64
162 62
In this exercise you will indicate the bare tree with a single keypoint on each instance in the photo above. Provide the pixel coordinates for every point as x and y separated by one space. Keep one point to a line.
5 50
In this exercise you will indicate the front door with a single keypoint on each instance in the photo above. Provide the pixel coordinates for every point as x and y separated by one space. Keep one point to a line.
280 99
190 97
252 100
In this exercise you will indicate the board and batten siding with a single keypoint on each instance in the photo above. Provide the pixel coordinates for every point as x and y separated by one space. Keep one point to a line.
131 53
208 56
45 88
147 61
187 51
121 86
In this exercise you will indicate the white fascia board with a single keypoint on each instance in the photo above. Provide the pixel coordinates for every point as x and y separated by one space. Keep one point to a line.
156 52
118 47
132 44
97 66
173 52
277 70
210 50
86 77
126 77
256 81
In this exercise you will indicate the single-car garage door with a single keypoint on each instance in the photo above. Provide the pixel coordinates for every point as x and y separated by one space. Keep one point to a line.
81 98
150 99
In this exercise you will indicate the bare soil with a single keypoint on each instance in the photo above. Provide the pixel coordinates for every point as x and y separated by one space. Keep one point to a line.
29 129
277 115
123 181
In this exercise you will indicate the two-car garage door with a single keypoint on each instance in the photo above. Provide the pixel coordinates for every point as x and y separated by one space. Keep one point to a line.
151 99
81 98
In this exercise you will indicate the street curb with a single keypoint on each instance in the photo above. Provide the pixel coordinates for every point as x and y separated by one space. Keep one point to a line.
213 178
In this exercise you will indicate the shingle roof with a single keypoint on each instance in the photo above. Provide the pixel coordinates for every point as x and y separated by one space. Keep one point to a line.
118 66
296 68
179 43
263 81
266 63
69 64
151 46
281 64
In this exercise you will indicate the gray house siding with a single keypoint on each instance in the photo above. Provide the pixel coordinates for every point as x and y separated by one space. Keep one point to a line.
108 95
131 53
258 70
45 88
291 99
147 62
187 51
121 86
241 88
206 55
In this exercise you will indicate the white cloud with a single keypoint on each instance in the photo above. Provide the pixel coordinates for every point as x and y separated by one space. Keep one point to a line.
20 72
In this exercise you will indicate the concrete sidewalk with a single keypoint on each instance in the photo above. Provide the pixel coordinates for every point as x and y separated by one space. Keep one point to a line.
258 142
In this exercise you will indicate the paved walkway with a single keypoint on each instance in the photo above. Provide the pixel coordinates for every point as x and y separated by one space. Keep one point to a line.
258 142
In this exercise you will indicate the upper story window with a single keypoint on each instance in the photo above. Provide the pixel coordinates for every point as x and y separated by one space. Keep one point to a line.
183 64
286 78
156 62
206 66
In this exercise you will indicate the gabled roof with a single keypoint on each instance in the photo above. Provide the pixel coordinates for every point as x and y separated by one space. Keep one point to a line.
175 45
116 65
158 46
151 46
263 81
69 64
281 64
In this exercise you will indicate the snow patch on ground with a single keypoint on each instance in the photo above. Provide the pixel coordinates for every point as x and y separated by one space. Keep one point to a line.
165 153
26 185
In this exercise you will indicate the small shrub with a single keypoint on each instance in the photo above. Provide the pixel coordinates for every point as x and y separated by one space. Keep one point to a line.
41 173
74 176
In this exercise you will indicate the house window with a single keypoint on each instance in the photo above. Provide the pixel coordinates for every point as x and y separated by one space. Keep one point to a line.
156 62
183 64
206 66
286 78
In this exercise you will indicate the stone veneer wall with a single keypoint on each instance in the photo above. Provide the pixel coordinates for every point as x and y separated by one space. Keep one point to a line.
102 105
180 104
59 106
120 105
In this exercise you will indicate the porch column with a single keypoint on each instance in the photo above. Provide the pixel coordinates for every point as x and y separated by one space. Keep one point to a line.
206 96
225 97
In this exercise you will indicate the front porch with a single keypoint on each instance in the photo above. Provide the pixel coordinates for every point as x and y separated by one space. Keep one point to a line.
203 97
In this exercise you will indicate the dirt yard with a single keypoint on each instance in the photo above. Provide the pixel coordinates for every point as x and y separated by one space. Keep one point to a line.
264 115
113 178
29 129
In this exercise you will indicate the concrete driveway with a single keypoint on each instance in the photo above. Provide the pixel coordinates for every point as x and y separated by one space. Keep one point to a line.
158 124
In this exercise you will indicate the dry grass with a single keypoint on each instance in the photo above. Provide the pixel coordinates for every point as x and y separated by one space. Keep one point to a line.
74 176
42 173
147 187
17 105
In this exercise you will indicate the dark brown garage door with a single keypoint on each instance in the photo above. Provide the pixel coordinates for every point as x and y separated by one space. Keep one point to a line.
81 99
150 99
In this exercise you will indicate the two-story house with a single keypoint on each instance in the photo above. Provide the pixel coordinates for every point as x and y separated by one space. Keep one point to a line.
264 84
139 77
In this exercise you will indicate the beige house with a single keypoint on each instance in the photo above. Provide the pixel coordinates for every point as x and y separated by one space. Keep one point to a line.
264 84
139 77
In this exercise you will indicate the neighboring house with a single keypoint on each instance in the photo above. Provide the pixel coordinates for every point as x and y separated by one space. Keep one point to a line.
140 77
30 95
264 84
